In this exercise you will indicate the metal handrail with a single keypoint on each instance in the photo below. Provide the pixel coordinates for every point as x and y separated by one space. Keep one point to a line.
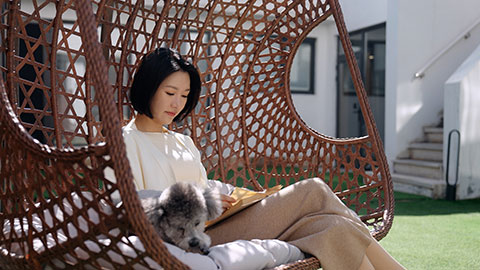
465 35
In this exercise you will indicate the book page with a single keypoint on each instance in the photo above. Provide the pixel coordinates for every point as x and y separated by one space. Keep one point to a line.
244 198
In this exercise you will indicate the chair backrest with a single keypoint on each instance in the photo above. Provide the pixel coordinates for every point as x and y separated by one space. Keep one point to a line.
245 125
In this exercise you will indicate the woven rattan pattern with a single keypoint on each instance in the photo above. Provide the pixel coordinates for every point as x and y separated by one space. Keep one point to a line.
245 126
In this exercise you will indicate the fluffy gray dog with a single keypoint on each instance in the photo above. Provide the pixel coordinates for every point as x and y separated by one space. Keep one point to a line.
179 214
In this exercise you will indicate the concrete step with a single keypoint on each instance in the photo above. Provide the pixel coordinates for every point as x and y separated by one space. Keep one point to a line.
422 168
426 151
432 188
433 134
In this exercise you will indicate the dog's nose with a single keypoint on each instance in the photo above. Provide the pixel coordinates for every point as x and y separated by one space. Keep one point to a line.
194 242
204 251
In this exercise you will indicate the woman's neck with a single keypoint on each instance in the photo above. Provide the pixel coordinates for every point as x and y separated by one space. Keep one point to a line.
147 124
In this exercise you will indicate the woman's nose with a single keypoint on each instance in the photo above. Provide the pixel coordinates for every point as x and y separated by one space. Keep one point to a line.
176 102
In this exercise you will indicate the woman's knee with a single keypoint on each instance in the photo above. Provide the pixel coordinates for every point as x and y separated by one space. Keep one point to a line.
315 185
313 191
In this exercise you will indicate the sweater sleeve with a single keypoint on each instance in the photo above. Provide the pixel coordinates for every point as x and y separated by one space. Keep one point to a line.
220 187
216 185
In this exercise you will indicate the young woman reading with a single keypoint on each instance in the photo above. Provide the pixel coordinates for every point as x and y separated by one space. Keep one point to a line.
307 214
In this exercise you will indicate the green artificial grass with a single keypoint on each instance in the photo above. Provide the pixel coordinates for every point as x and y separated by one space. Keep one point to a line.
427 233
435 234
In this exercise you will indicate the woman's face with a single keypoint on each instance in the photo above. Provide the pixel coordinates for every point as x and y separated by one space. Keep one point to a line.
170 98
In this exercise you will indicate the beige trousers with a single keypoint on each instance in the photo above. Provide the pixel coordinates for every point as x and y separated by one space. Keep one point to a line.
308 215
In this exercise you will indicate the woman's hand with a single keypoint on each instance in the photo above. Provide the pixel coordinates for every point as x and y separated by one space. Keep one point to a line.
227 201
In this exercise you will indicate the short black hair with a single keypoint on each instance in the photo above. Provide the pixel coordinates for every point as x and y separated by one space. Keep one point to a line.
154 68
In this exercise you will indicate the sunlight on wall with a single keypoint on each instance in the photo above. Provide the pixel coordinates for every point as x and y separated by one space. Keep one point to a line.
470 119
405 111
462 112
409 103
471 109
415 34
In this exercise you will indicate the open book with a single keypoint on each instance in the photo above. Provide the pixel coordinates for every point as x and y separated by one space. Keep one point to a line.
244 198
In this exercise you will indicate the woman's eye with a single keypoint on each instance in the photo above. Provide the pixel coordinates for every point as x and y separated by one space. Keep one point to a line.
170 94
184 96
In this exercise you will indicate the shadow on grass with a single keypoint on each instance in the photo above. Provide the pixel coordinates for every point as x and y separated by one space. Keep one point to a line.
414 205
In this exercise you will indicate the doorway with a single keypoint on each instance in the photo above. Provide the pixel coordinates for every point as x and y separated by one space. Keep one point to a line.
369 47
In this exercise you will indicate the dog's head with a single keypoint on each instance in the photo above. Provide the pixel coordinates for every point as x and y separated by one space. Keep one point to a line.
179 214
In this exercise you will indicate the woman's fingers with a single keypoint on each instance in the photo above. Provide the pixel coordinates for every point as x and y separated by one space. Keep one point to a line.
226 205
228 198
227 201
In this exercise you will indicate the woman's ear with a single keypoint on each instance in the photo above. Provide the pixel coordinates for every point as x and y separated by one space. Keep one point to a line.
213 203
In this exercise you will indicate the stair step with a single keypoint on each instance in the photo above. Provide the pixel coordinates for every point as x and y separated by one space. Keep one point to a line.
432 188
433 134
433 129
426 151
422 168
427 146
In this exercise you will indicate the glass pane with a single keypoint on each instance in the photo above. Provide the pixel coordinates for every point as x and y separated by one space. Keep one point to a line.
300 74
357 44
375 66
302 68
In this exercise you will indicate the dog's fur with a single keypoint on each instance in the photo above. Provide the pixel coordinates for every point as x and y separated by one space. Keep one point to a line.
179 214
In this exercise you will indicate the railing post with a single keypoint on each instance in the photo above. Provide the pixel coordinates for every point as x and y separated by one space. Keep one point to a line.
451 191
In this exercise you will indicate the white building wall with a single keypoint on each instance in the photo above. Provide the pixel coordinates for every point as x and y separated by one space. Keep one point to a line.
362 14
462 112
319 111
416 31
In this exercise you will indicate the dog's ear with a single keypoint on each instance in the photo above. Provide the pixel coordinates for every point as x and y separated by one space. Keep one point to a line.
213 202
153 209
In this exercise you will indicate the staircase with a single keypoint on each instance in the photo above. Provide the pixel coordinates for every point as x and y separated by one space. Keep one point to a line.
420 168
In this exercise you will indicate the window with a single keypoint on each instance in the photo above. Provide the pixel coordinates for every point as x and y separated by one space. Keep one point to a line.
303 68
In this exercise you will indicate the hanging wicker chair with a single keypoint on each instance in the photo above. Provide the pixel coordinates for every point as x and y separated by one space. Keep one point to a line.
66 67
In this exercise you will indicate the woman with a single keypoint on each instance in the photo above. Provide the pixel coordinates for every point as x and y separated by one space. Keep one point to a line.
165 89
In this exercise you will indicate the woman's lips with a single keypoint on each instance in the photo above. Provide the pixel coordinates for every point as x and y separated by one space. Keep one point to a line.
171 114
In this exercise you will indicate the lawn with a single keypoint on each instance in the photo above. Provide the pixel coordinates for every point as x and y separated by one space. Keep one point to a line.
435 234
